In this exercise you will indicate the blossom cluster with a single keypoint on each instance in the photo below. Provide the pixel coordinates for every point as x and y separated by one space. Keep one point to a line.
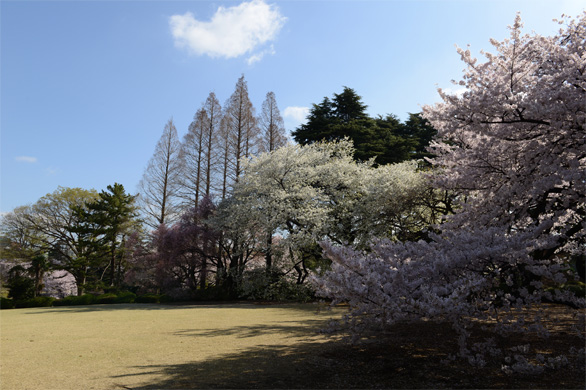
513 149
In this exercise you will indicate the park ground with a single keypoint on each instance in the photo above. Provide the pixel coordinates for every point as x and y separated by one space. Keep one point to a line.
243 345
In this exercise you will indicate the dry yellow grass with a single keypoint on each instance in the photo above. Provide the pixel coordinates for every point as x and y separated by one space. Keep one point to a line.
137 346
240 345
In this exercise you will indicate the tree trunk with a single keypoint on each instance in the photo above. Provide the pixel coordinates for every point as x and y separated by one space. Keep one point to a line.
269 252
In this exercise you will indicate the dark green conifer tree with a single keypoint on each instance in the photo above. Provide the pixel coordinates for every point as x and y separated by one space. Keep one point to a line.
105 225
345 116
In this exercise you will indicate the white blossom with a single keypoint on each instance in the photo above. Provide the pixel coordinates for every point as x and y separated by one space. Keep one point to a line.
513 148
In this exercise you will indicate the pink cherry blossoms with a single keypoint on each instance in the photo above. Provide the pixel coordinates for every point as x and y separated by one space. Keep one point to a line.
512 148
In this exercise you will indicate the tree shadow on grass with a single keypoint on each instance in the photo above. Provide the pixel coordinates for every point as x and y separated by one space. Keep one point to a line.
284 328
408 357
307 365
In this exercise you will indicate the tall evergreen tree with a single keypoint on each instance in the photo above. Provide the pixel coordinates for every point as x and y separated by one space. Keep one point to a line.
345 116
418 129
104 226
348 106
116 215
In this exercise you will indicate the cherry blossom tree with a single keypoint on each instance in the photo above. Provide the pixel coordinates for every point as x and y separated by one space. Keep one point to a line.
513 148
314 192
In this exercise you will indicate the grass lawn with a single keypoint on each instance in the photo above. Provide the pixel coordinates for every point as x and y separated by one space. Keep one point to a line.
237 345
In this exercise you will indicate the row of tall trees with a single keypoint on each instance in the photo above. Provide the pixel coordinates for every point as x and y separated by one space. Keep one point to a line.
217 199
266 232
273 203
208 161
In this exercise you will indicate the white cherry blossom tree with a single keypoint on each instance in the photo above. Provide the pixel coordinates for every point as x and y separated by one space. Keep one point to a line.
316 192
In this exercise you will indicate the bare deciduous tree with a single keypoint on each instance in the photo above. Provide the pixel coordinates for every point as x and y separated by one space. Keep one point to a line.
214 113
241 128
192 156
271 125
158 188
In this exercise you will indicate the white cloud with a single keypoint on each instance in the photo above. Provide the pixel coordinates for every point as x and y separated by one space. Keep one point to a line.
231 32
258 56
299 114
26 159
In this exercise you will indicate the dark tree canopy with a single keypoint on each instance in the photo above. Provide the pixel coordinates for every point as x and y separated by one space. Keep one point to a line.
385 139
418 129
347 106
103 227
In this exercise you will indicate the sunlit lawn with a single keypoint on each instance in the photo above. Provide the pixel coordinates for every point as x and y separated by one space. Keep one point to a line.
243 345
129 346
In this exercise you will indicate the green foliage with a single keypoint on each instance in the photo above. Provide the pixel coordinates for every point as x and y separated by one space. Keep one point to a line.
6 303
125 297
385 139
148 298
422 132
34 302
103 227
42 229
108 298
576 287
312 255
112 298
21 286
166 298
73 300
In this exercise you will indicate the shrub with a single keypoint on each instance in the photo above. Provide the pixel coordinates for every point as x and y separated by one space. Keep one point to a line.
6 303
213 293
73 300
125 297
108 298
257 284
578 288
35 302
148 298
166 298
20 285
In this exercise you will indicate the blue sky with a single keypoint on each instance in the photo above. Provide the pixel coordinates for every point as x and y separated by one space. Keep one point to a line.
88 86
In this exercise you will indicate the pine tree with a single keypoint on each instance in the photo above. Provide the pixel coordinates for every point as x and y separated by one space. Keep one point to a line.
116 215
385 139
